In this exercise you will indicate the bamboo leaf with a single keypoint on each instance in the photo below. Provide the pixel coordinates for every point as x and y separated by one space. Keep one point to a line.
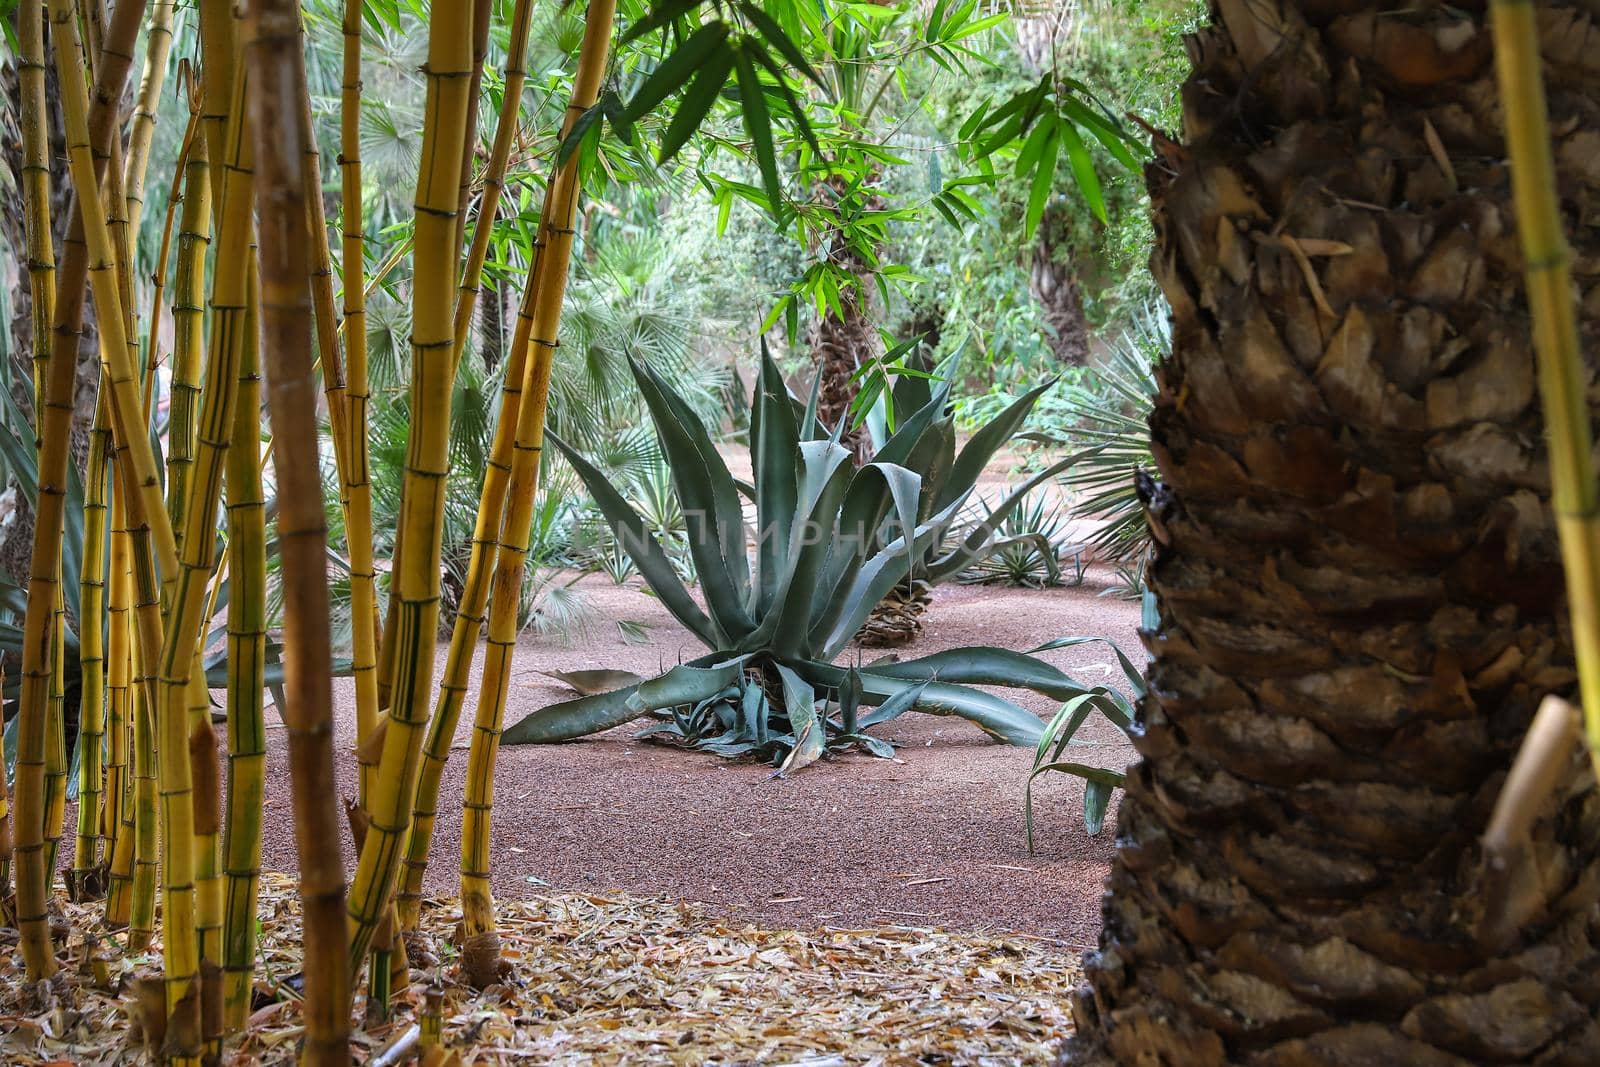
1083 169
674 71
696 102
758 123
1043 180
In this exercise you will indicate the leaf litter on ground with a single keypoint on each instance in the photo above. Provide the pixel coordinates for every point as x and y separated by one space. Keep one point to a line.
606 979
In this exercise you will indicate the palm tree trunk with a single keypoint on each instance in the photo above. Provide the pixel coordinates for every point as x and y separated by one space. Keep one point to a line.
1360 585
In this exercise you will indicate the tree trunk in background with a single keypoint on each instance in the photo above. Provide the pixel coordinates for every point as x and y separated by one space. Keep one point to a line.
1054 287
842 344
1360 585
1043 28
492 325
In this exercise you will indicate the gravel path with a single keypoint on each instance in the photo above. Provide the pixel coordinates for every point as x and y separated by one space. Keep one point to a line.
934 837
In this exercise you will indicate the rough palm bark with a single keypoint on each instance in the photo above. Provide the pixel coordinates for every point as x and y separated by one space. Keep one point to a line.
1360 587
841 343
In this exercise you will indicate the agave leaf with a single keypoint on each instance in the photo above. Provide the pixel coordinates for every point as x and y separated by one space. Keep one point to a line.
980 542
894 707
984 665
569 719
1058 735
634 535
1094 808
811 427
874 489
876 746
588 683
848 611
985 443
1096 798
996 716
800 703
824 476
1134 675
712 512
905 445
774 444
850 700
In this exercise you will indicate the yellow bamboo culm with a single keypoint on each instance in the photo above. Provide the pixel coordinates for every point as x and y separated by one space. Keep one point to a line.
119 820
247 657
480 951
491 498
1562 379
95 810
85 252
36 186
158 46
188 319
415 591
356 488
275 58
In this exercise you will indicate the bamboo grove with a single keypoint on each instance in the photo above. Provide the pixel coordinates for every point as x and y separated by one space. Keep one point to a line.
267 316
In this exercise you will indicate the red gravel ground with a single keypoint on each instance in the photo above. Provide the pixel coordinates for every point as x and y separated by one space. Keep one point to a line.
934 837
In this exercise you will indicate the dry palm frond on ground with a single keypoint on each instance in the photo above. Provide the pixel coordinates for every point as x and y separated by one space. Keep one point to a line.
612 979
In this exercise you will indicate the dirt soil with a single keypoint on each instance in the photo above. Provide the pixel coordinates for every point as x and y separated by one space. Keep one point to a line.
932 838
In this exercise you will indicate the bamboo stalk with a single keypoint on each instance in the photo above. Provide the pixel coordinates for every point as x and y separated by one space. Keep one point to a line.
36 188
1562 377
55 766
55 418
158 46
491 498
482 15
183 714
87 879
276 61
416 578
480 950
120 815
188 322
247 653
357 485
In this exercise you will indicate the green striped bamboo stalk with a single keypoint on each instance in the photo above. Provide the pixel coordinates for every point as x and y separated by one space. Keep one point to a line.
87 880
119 820
188 323
416 574
55 765
480 950
1563 379
35 177
247 653
276 61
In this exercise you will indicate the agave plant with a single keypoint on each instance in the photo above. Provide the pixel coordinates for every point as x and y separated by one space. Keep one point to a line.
1036 543
831 539
1113 424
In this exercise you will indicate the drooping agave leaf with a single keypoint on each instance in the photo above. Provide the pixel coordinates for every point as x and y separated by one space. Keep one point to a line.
800 703
571 719
713 514
1094 807
996 716
985 443
635 538
1134 675
774 445
588 683
986 665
